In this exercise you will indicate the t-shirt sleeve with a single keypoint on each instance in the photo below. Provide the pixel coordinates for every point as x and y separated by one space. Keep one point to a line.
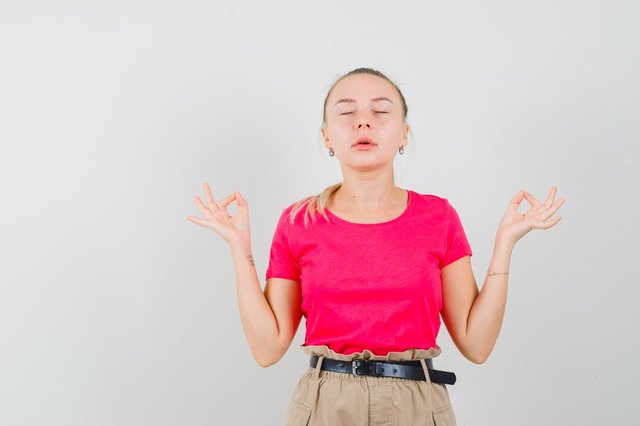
281 262
457 244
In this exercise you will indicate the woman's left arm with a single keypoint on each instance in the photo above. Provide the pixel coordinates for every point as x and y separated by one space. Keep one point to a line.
474 318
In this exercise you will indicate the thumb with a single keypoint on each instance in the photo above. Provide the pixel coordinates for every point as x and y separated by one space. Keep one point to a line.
242 202
516 200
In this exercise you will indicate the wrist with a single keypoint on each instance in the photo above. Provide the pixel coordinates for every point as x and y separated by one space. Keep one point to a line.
504 240
242 245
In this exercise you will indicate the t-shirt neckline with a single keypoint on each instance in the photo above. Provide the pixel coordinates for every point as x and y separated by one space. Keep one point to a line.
395 219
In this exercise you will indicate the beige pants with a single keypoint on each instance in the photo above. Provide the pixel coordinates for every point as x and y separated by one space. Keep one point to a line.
328 398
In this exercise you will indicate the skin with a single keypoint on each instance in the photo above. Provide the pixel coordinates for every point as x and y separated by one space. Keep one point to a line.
367 192
473 318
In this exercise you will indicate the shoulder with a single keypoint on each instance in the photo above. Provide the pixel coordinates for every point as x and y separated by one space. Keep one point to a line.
285 214
294 213
429 197
431 201
436 207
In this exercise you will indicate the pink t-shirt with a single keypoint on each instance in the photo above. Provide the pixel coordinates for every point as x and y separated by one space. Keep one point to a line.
371 286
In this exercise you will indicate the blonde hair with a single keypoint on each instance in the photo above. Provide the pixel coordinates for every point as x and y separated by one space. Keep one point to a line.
318 203
315 204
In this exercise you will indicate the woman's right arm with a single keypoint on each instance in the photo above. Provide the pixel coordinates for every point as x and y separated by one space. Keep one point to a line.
270 319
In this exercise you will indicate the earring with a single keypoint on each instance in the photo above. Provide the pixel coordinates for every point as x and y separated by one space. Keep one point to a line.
401 150
331 153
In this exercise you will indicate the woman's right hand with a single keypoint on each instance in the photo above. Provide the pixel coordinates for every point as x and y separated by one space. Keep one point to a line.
233 229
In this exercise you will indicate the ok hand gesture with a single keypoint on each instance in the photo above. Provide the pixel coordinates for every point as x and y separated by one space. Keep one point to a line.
515 225
233 229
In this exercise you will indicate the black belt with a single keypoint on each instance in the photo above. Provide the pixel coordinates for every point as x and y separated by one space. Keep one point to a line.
402 369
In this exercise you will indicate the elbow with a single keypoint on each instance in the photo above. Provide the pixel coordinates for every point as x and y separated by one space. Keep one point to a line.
476 351
264 364
267 360
477 357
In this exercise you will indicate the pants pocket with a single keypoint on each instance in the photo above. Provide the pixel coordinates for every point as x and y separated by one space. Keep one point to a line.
444 416
298 414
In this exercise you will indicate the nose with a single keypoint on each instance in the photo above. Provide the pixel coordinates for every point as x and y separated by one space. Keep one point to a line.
363 120
365 123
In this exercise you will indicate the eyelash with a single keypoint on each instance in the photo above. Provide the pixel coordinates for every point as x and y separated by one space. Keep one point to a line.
379 112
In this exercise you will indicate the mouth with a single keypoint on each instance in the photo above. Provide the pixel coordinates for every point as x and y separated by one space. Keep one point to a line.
364 140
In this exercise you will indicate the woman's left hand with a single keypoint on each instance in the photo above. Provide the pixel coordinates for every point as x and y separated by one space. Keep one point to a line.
514 225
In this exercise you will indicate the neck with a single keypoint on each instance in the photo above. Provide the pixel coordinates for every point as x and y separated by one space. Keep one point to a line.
368 192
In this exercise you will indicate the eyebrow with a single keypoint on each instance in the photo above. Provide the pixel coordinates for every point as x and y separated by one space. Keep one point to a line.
379 98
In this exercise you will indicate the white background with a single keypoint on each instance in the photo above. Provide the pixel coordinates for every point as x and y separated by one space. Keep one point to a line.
116 310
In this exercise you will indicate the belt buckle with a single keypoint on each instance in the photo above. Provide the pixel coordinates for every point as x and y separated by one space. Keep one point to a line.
360 367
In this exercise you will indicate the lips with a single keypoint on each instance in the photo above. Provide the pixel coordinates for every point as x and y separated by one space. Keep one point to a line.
364 140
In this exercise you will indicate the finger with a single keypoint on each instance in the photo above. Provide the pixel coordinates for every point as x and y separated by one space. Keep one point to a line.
224 203
553 209
531 199
515 201
556 205
547 225
196 220
210 200
204 209
242 202
551 196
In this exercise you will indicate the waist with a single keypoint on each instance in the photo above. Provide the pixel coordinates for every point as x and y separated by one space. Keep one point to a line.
410 369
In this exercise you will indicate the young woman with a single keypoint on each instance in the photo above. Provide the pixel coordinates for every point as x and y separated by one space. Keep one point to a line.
371 267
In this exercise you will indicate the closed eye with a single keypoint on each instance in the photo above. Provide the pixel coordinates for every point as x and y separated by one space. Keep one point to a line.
379 112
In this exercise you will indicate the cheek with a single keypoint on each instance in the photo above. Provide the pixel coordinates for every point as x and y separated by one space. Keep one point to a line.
389 127
340 126
339 131
339 121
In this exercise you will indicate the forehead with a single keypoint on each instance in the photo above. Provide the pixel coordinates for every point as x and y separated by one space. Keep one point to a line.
362 88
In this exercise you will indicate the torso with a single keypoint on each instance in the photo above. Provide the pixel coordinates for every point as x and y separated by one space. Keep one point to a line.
375 286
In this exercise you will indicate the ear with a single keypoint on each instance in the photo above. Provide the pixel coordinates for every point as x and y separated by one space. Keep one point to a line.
324 136
405 133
